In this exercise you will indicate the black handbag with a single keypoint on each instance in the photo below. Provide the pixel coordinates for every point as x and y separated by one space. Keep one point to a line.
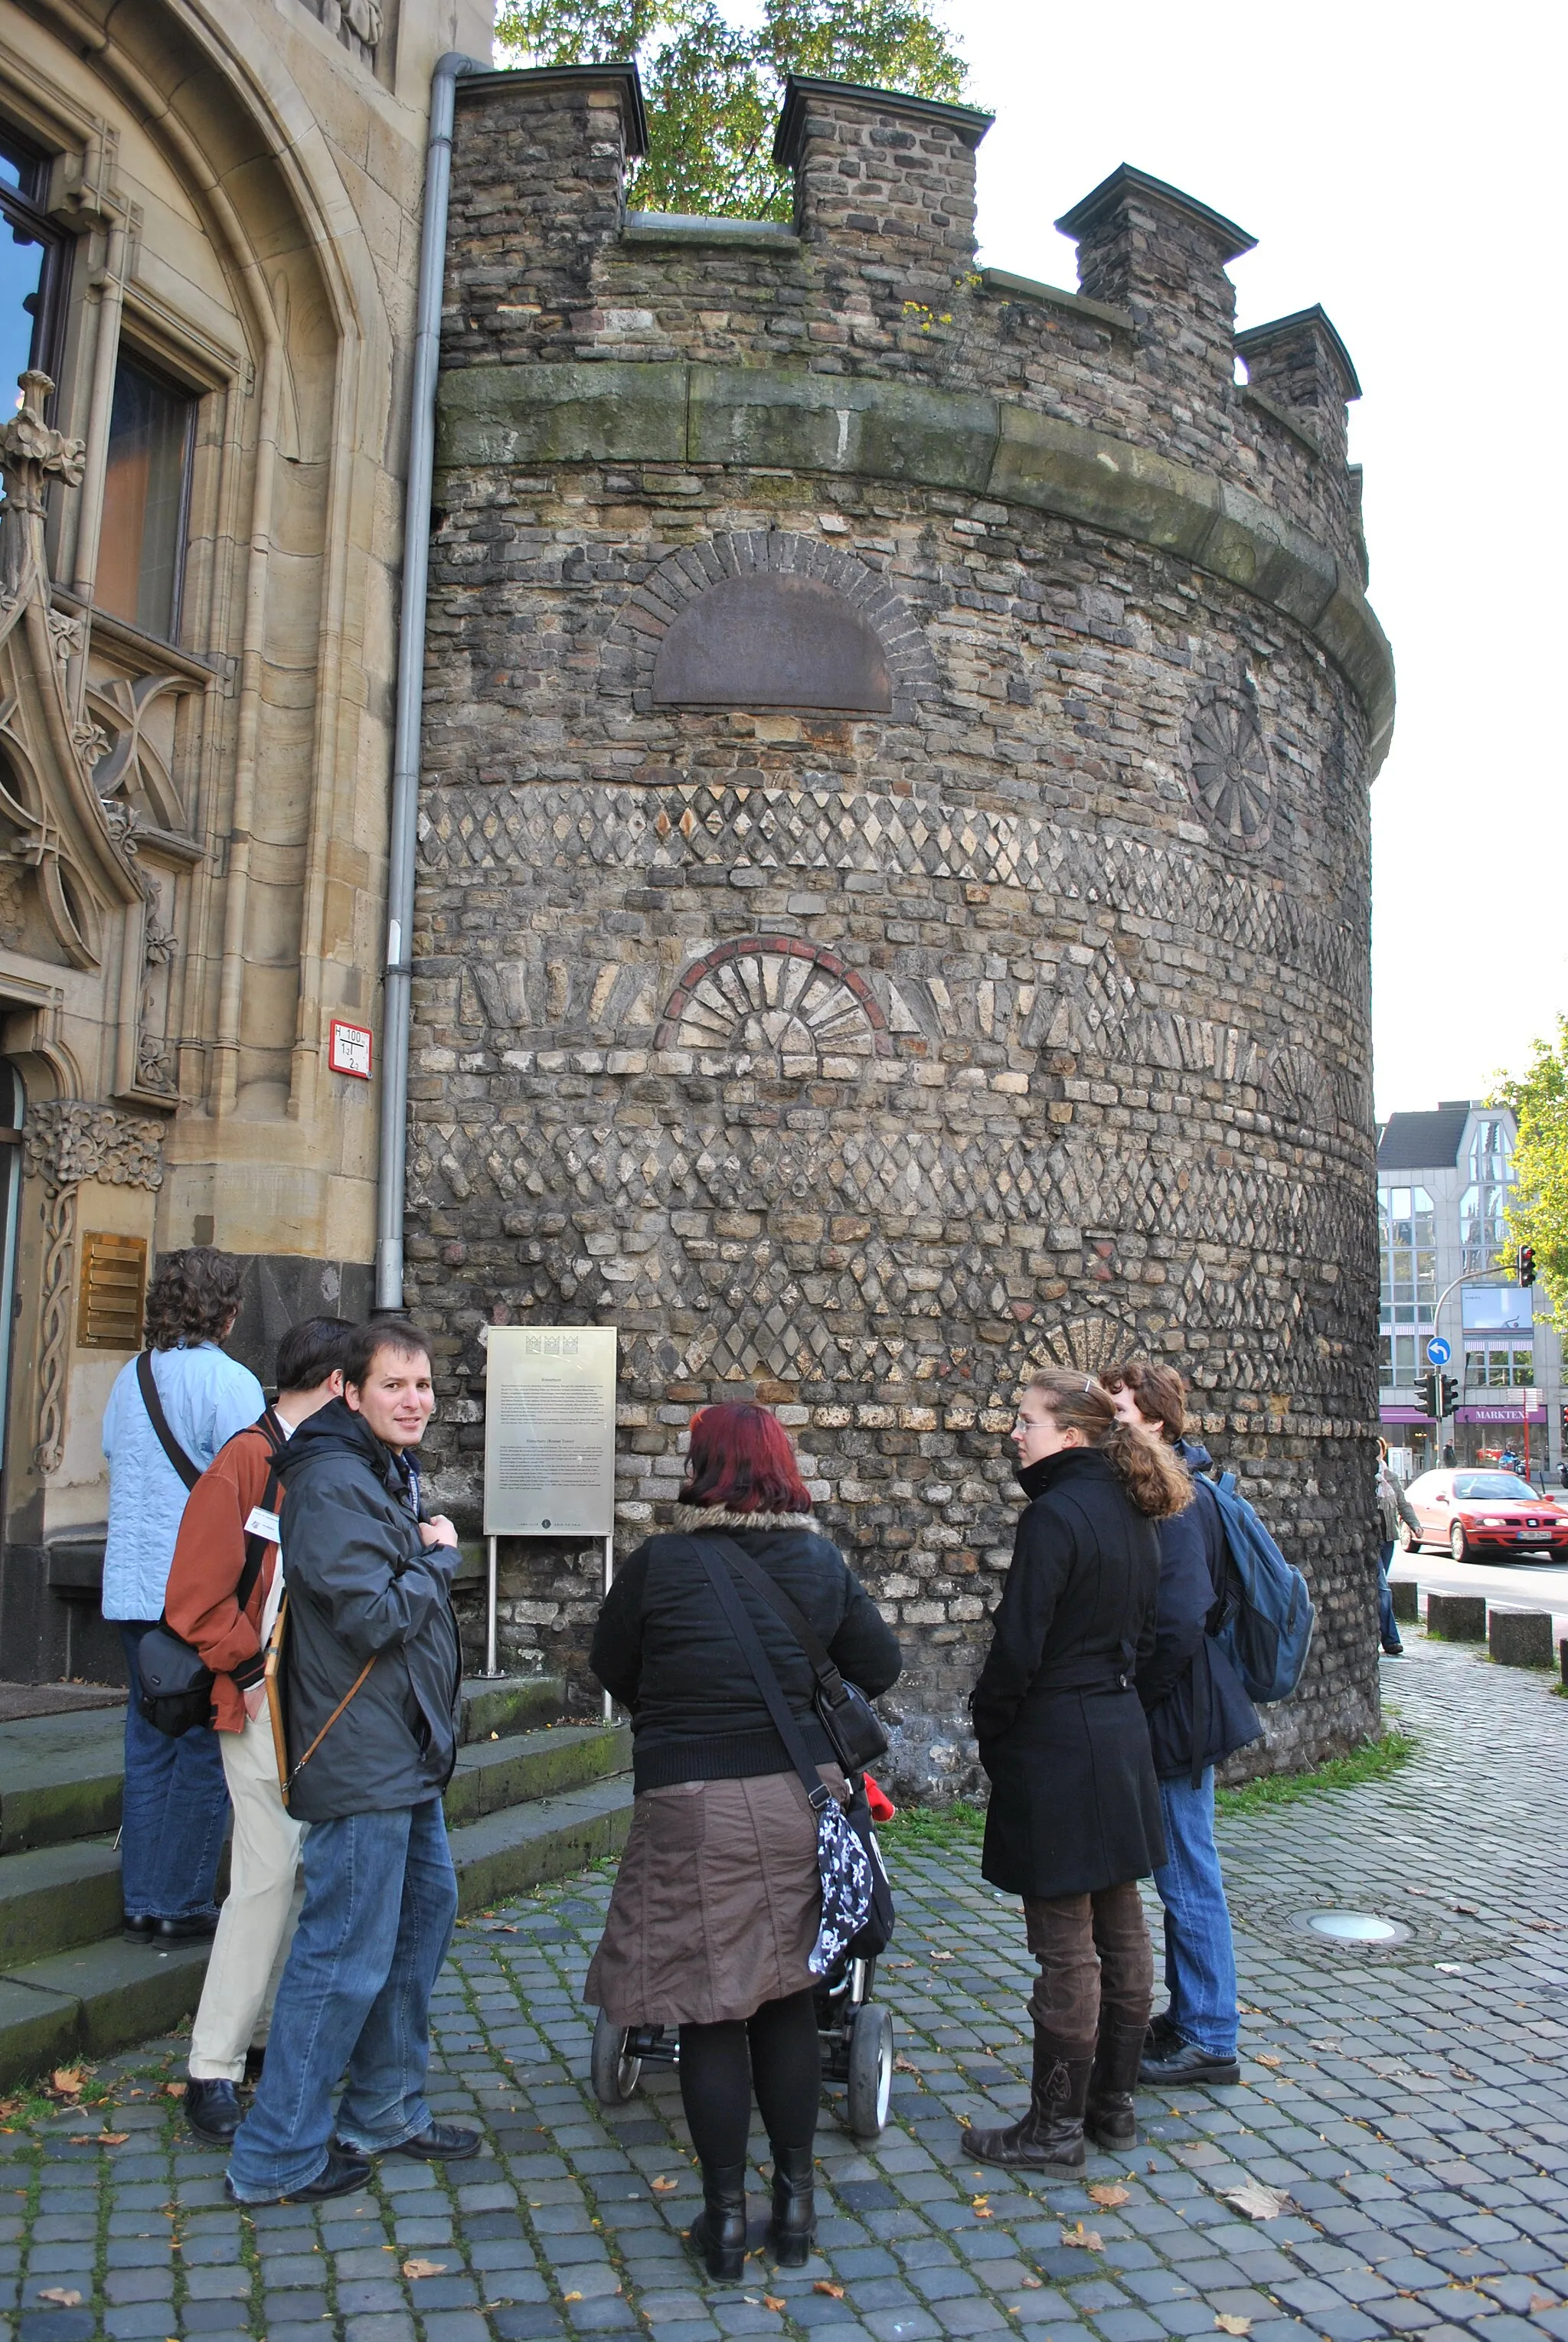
843 1709
176 1682
857 1912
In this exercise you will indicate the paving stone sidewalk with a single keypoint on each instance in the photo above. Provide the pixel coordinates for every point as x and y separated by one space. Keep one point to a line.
1410 2100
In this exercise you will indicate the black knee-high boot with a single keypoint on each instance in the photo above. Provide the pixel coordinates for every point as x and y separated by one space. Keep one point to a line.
718 2234
793 2229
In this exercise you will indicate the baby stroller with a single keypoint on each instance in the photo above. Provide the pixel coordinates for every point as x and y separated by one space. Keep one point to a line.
856 2049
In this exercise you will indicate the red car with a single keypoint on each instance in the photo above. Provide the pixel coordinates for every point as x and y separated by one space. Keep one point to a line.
1476 1513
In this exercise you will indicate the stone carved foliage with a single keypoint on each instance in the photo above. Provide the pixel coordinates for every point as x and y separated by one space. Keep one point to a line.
1230 774
55 819
65 1141
774 1003
825 573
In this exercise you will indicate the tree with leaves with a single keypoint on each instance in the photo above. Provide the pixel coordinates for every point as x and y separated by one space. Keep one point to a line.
714 86
1538 1214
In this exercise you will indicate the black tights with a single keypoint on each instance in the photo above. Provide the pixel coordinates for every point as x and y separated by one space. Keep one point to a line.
779 2052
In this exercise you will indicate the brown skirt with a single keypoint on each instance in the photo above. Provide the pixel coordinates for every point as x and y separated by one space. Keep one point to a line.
716 1903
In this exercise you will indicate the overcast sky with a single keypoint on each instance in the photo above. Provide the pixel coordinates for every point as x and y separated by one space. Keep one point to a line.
1401 165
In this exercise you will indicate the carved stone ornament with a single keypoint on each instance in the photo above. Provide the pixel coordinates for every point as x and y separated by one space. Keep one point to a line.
362 18
67 1141
1228 760
776 1002
48 742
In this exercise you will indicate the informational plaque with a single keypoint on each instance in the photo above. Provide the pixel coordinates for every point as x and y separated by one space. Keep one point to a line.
550 1431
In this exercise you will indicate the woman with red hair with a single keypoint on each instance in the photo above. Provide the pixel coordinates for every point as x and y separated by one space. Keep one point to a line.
716 1904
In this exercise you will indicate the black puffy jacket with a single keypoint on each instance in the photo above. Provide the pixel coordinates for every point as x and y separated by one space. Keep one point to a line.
363 1585
665 1650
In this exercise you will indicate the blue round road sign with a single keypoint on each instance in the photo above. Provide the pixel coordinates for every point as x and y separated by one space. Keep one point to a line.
1438 1352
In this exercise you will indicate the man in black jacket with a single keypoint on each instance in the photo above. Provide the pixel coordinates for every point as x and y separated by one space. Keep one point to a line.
374 1679
1198 1713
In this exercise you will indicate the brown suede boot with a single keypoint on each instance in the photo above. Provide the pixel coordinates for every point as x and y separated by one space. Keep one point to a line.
1110 2118
1050 2136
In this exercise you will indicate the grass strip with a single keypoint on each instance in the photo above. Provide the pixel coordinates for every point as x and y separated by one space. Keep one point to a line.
1374 1760
916 1829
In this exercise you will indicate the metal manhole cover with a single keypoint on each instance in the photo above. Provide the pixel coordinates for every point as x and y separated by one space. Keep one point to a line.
1354 1927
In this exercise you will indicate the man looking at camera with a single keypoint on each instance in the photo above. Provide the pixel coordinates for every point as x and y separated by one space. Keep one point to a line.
373 1681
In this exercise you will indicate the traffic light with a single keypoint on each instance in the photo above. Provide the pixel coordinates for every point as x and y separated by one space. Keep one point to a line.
1526 1264
1428 1393
1448 1395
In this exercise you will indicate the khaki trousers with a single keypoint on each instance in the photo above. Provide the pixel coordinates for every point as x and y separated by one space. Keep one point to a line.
257 1923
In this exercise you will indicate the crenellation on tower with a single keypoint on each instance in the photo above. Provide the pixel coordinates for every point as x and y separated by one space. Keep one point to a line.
885 182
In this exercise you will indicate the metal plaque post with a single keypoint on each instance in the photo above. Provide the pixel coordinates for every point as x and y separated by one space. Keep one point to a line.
549 1442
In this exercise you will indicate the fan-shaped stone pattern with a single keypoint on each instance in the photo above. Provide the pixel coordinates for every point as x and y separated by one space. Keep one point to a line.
1231 783
770 641
774 1002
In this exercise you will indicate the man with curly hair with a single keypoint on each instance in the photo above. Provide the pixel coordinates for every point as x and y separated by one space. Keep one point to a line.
177 1800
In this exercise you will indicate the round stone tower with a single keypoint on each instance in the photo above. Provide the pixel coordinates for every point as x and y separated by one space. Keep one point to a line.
893 905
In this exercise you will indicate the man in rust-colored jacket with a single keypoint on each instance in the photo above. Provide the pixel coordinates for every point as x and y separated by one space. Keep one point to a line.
230 1516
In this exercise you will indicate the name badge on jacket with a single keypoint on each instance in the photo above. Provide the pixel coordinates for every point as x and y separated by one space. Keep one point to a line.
263 1524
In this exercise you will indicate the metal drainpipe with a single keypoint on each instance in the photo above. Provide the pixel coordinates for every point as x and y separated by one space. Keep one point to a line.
405 812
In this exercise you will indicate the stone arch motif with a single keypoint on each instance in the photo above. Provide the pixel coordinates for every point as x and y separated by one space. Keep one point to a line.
1087 1344
1299 1090
1228 768
773 996
772 618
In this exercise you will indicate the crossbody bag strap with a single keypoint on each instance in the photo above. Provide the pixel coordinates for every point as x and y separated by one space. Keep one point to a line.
331 1720
793 1617
256 1545
189 1473
767 1681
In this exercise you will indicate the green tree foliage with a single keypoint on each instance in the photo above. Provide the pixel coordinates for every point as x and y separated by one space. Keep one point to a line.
714 86
1539 1215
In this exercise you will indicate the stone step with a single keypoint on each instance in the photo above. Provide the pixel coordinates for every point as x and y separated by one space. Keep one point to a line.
506 1704
55 1897
506 1853
492 1774
60 1777
90 2001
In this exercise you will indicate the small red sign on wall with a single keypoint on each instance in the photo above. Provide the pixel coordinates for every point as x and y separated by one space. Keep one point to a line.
350 1049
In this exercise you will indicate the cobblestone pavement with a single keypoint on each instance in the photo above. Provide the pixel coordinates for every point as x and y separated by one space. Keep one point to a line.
1409 2100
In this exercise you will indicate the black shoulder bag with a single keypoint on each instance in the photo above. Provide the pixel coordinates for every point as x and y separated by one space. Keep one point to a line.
857 1913
176 1681
843 1709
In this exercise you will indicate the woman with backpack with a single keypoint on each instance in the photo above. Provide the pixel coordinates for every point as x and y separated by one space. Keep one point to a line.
1198 1715
717 1901
1074 1821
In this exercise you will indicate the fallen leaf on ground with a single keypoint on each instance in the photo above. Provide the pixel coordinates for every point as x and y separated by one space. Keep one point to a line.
1264 2059
1107 2195
1229 2324
1470 1910
772 2301
9 2106
823 2285
1036 2281
662 2186
942 1956
99 2137
63 2297
900 2065
571 2297
1259 2203
68 2081
174 2090
1539 2301
424 2268
1089 2240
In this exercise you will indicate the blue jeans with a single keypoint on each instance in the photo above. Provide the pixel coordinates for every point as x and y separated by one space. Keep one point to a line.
380 1897
1387 1623
175 1809
1200 1958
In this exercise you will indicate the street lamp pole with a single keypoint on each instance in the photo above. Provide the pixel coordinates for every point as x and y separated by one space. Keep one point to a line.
1468 1276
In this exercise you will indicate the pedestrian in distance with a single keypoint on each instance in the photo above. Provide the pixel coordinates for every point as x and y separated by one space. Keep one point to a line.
373 1690
1392 1506
176 1803
1199 1714
1074 1821
716 1904
232 1519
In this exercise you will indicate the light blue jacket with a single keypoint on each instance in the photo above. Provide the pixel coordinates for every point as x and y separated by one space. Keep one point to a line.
208 1397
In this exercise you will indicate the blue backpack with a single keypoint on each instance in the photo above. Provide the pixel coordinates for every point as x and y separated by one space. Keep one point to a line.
1266 1628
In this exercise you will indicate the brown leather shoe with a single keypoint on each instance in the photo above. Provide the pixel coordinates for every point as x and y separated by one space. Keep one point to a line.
1050 2136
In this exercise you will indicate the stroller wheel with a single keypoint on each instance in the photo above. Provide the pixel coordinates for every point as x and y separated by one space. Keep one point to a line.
870 2071
616 2076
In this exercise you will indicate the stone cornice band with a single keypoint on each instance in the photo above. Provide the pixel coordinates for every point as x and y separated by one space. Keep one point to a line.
662 412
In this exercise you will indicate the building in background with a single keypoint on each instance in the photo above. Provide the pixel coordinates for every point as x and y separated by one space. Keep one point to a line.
1443 1181
209 286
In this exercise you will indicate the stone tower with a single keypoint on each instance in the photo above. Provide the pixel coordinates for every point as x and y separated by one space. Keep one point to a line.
894 897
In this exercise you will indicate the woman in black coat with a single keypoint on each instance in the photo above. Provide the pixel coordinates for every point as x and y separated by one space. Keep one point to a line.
1075 1816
